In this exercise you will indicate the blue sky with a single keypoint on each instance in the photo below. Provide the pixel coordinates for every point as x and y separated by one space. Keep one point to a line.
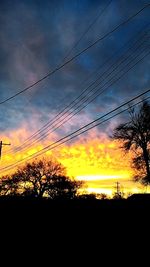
36 35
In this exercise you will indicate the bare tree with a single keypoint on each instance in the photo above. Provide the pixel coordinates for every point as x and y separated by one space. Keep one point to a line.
135 135
37 176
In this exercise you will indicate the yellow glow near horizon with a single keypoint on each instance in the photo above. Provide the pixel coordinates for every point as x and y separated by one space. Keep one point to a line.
97 161
100 177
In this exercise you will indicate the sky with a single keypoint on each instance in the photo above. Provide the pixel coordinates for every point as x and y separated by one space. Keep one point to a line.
35 37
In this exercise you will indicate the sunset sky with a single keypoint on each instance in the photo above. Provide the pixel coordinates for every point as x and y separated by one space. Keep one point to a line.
35 37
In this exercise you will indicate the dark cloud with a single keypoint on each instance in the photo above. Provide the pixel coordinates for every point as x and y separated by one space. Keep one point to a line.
34 38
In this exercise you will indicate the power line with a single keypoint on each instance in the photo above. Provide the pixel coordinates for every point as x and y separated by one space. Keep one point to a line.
70 105
110 85
39 153
89 101
77 55
83 129
82 36
86 99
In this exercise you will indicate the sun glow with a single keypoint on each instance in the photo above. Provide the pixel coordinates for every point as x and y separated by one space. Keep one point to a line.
100 177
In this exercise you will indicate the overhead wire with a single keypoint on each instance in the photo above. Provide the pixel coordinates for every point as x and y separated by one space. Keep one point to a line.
44 135
71 116
81 130
59 114
100 13
62 123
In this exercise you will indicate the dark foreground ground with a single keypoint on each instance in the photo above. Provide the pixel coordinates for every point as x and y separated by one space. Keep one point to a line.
73 225
79 209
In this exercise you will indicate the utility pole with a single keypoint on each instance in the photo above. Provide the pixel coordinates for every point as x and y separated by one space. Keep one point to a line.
1 145
117 193
118 188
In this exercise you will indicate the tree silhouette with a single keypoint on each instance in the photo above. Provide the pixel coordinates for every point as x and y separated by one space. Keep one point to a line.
38 179
135 135
37 176
63 187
